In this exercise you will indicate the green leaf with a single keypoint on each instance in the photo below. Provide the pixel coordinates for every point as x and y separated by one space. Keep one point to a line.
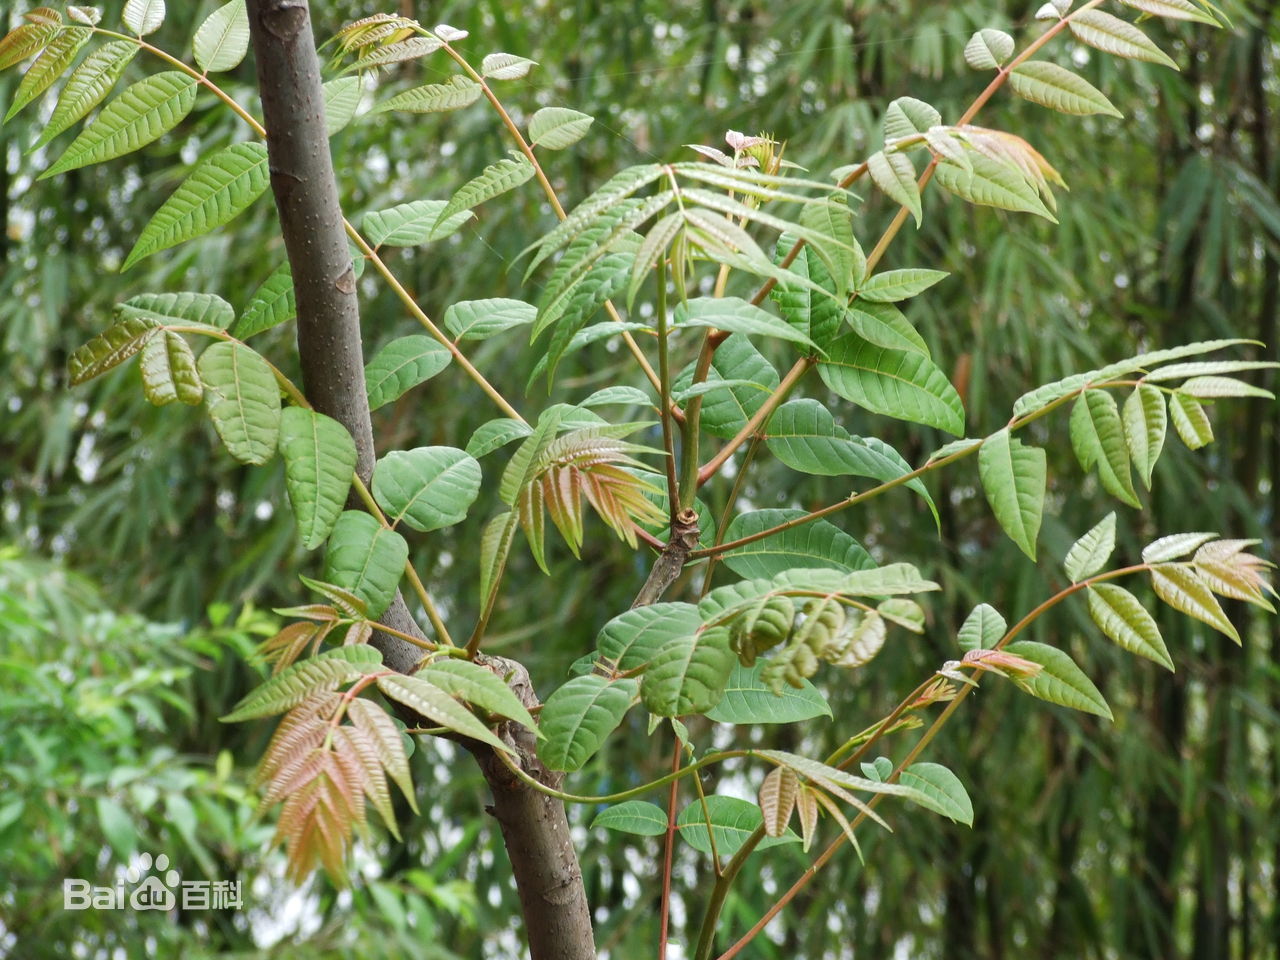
1145 423
736 316
884 325
578 718
603 283
991 184
1061 681
688 674
1125 621
634 816
428 488
828 226
216 192
1097 436
1211 388
505 66
481 319
88 86
117 826
1190 421
1117 37
1180 588
494 434
169 371
223 39
523 465
1059 89
748 699
1090 553
179 309
29 38
732 821
1014 479
1174 546
902 385
631 639
478 686
272 304
111 348
367 559
453 94
319 461
982 629
142 113
243 400
143 16
495 545
988 49
813 313
938 789
401 365
428 700
557 127
1172 9
341 100
907 117
619 395
1201 368
726 412
323 672
409 224
496 180
819 544
49 66
895 174
892 286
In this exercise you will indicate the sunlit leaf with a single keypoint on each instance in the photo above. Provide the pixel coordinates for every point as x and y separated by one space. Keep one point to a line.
223 39
1118 37
453 94
436 705
49 66
982 628
88 86
1090 553
988 49
143 16
1179 587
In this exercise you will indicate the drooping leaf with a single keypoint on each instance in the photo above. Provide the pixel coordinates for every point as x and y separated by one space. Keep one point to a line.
216 192
243 399
1183 590
813 313
579 716
777 799
223 39
143 16
1145 423
1014 479
1060 681
478 686
1124 620
1059 89
732 821
1190 421
481 319
938 789
835 244
1097 436
410 224
891 286
736 316
401 365
633 816
1090 553
816 544
30 38
325 671
895 174
557 127
895 383
1117 37
319 461
169 371
748 699
428 487
495 545
49 66
111 348
436 705
453 94
88 86
688 674
982 629
367 559
142 113
272 304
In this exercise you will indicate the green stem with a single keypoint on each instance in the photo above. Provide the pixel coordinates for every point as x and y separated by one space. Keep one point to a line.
674 503
717 757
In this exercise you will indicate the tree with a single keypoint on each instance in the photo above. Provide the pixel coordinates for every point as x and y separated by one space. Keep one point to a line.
820 279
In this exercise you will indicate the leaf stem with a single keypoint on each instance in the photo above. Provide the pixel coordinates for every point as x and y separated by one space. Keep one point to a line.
668 851
717 757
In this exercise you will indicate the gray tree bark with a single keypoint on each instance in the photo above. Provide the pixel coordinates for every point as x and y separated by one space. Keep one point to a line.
534 827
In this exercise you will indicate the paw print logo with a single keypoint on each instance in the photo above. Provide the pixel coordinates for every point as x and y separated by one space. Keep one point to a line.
152 893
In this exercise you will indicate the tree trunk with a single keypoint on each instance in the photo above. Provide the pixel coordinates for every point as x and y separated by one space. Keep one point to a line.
534 826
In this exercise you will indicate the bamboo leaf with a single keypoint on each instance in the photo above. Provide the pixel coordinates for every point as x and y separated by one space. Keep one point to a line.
895 383
1090 553
427 488
454 94
323 672
1117 37
140 114
1179 587
169 371
579 716
223 39
1059 89
1060 681
367 559
243 399
401 365
428 700
1126 622
1014 478
557 128
88 86
319 460
216 192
